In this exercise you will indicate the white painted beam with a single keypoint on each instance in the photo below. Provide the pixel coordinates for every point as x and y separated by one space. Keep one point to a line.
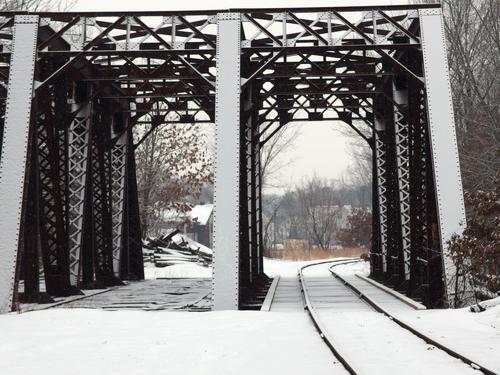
447 177
226 186
15 144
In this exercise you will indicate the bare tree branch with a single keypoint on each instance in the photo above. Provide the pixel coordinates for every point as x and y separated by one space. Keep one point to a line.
37 5
472 30
272 161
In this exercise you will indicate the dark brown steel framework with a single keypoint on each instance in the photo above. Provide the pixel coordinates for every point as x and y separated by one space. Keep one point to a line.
100 74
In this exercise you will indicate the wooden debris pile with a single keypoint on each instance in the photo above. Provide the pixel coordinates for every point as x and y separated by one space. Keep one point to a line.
175 248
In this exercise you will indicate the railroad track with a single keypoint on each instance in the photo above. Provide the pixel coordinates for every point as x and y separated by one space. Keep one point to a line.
345 357
323 332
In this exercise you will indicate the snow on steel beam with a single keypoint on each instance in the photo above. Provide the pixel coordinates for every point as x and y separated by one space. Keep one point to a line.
339 9
63 16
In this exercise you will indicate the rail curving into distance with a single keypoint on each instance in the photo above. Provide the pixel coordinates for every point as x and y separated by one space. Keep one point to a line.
330 341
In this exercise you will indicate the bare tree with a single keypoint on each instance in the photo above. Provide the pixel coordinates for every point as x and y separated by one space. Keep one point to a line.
173 166
36 5
473 34
472 30
272 154
357 177
283 218
272 205
360 170
320 210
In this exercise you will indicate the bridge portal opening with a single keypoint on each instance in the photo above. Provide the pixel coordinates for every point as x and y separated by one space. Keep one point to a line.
356 66
317 192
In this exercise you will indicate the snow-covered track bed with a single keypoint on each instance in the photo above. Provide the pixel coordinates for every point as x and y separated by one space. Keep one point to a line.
151 295
365 340
318 323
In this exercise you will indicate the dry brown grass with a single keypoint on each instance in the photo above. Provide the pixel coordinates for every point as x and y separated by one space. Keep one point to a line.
313 254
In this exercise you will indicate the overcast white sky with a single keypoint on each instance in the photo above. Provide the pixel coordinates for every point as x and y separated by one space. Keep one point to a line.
320 149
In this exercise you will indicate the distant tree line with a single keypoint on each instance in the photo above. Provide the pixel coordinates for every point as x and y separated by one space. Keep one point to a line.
323 212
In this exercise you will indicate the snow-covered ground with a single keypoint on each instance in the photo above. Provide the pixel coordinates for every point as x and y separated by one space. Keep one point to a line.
84 341
273 267
183 270
476 334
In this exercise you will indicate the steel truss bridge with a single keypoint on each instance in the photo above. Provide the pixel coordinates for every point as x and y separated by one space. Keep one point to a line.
74 85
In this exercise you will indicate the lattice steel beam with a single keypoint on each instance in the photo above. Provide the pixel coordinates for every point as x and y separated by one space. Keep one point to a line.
381 191
118 176
402 132
78 167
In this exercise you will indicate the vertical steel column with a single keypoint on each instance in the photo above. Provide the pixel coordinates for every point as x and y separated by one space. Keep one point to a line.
101 199
78 166
447 177
401 127
30 254
395 267
51 166
381 189
227 163
376 250
257 197
87 258
420 203
131 264
250 224
118 163
254 240
419 168
15 143
245 245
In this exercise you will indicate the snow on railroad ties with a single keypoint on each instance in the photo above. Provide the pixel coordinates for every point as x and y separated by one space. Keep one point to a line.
476 335
82 342
376 345
369 341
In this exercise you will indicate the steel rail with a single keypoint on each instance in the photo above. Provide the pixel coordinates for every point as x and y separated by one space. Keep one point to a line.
314 316
409 328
